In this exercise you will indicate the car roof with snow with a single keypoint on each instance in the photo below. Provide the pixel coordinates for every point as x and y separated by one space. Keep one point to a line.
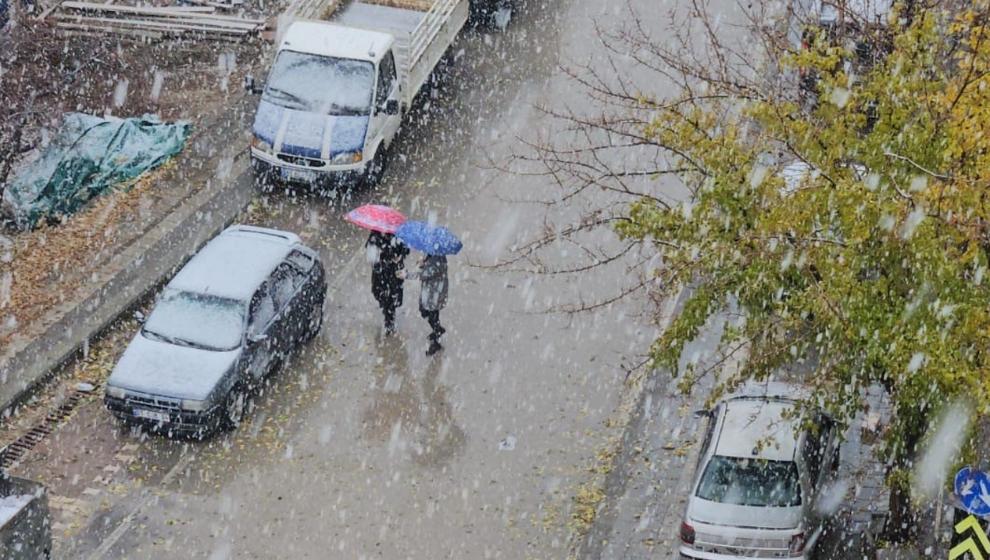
235 263
758 427
314 37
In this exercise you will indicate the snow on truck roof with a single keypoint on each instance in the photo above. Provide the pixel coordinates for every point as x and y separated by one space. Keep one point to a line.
327 39
235 263
752 421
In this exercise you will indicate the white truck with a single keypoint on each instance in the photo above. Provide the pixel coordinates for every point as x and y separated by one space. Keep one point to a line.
338 90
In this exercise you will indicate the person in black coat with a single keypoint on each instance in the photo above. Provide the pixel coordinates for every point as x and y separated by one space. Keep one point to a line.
387 255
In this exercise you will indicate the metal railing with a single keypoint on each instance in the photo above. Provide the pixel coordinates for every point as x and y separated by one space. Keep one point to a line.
428 28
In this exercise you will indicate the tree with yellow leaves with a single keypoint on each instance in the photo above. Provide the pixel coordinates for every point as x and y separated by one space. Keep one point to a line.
849 222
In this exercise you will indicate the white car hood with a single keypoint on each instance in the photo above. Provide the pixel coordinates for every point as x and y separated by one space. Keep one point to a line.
167 370
728 515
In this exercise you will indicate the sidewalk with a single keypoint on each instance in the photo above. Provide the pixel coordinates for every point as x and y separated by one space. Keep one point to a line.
648 489
853 530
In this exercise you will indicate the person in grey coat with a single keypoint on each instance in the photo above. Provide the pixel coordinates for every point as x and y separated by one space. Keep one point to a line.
433 296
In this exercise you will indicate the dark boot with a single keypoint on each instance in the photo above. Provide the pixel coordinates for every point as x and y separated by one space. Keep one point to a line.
435 347
389 320
434 319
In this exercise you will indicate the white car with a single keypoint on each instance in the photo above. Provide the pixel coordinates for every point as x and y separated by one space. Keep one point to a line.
759 475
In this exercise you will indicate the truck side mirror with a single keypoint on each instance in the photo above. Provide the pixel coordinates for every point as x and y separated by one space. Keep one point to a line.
256 338
392 107
251 86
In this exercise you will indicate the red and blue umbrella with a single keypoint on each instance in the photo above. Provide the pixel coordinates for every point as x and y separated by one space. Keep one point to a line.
376 217
432 240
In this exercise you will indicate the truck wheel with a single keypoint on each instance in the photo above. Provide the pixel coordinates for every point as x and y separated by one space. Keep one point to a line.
264 179
493 15
235 407
376 169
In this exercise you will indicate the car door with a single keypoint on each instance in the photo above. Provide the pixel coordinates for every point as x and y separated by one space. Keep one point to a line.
384 125
290 320
823 446
260 345
313 290
832 444
816 456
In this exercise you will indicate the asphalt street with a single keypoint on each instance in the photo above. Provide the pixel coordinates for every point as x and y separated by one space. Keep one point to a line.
363 447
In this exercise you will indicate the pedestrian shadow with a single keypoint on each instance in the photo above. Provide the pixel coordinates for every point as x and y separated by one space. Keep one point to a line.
411 413
393 398
441 438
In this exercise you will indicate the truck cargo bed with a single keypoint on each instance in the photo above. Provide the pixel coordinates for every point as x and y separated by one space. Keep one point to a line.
401 22
421 35
418 5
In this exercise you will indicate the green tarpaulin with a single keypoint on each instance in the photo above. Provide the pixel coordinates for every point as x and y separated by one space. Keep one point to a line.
90 155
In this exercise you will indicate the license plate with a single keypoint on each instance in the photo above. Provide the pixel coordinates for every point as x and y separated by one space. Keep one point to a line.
298 175
151 415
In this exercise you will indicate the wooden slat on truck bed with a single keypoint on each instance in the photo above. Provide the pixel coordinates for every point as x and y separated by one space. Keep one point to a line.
418 5
310 9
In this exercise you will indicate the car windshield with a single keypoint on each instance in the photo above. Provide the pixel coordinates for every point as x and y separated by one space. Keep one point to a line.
320 84
750 482
196 320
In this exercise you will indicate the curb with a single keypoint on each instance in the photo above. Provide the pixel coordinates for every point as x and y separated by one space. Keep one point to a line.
629 412
128 277
651 463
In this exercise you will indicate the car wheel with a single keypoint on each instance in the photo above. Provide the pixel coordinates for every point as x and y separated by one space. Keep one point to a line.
315 322
274 368
235 407
501 16
376 169
491 15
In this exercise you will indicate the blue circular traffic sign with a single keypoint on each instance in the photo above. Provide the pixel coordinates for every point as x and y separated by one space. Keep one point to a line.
973 490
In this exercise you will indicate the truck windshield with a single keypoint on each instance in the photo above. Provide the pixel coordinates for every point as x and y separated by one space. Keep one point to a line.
320 84
196 320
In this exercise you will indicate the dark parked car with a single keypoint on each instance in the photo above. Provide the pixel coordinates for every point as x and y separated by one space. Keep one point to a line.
226 320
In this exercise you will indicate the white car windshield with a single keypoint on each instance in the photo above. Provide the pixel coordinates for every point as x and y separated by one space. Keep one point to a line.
750 482
320 84
196 320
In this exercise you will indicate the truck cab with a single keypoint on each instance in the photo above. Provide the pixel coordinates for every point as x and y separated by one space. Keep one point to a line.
330 106
338 89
